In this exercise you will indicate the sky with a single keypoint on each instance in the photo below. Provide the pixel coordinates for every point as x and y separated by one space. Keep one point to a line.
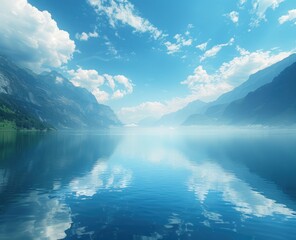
148 58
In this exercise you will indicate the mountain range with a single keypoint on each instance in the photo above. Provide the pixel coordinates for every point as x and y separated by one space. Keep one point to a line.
243 105
271 104
216 108
49 100
177 118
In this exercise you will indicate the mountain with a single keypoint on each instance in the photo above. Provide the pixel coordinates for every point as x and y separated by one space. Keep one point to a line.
216 109
271 104
199 119
256 80
12 118
177 118
52 99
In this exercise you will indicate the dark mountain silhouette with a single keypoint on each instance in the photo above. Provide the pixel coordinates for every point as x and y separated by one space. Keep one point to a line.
271 104
215 110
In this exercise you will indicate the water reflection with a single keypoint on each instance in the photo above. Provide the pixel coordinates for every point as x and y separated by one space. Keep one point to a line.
208 175
139 186
36 216
220 180
43 160
101 176
35 172
212 177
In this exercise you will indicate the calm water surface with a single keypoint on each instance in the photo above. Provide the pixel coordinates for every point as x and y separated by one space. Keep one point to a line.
147 185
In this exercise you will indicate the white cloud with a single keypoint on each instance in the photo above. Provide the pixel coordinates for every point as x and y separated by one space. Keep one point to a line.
230 74
141 111
101 96
202 46
110 81
290 16
233 16
85 36
115 87
111 48
240 68
125 82
187 42
260 7
153 109
242 51
214 50
86 78
205 86
127 86
31 37
172 47
180 41
122 11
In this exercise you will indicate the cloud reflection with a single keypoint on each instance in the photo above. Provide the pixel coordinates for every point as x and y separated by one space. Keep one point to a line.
102 176
154 236
208 177
45 218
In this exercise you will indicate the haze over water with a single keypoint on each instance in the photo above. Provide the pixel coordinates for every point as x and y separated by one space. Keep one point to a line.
148 184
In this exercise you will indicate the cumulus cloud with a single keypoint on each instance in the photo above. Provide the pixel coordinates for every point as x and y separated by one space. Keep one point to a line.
122 11
85 36
230 74
179 42
290 16
215 50
31 37
202 46
206 86
233 16
103 87
260 7
240 68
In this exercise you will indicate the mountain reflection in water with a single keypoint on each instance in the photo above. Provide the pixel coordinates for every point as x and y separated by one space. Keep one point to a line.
135 185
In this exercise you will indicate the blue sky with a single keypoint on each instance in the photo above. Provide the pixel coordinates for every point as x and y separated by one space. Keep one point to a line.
149 58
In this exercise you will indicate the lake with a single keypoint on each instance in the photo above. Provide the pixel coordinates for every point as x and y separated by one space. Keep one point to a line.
148 184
